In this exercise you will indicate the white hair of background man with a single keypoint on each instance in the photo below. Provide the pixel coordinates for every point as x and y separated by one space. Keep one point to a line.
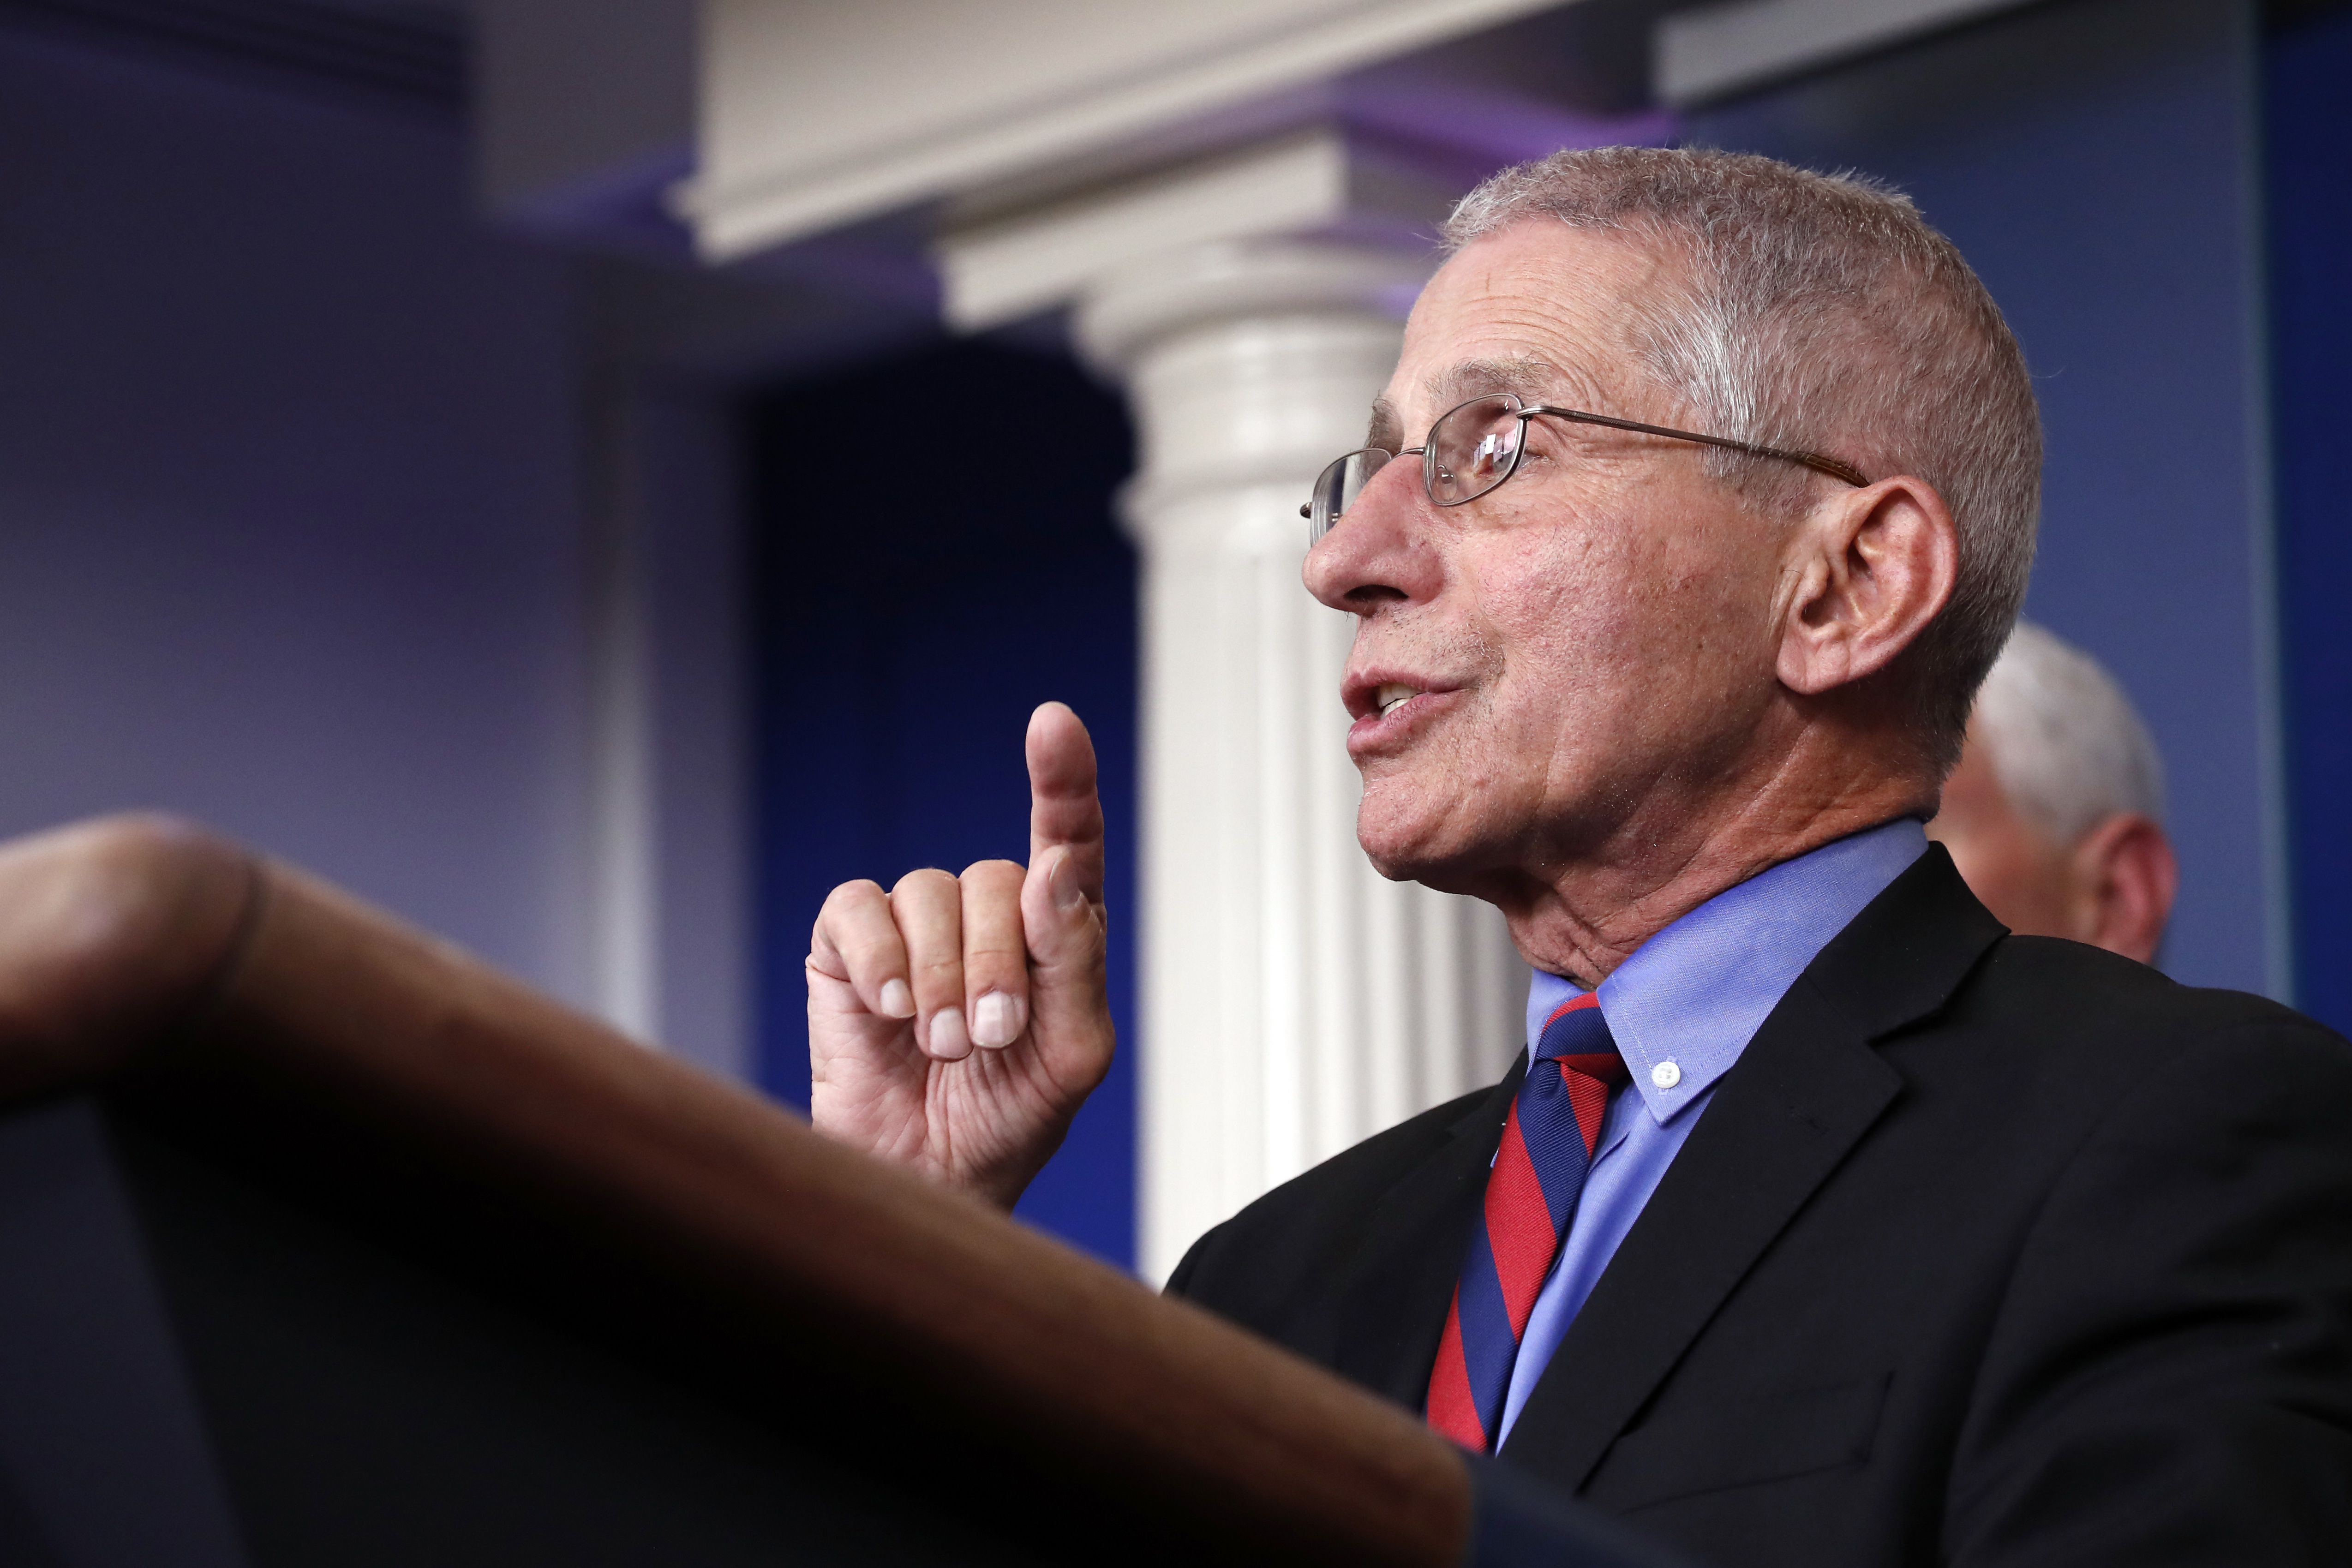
1823 313
2067 746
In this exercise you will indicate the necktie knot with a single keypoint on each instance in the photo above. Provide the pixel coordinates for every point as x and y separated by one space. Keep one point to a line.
1576 1027
1576 1038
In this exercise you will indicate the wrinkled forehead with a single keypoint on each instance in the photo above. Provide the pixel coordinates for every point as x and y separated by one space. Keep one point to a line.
1540 310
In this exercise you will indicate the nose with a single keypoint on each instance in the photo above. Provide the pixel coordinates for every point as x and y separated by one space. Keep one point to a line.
1377 552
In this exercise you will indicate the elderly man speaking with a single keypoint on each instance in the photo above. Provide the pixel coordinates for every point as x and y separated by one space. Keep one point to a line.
1821 1221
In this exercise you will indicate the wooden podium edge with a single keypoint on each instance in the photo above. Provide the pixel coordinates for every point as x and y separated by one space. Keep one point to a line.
130 939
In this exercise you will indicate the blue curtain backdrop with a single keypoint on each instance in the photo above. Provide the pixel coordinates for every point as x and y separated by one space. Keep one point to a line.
935 556
2307 81
2096 160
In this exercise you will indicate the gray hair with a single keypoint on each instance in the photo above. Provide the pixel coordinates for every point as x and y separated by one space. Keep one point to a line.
1821 311
2067 746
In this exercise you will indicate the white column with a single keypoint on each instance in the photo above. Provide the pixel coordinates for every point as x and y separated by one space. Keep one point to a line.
623 849
1292 1002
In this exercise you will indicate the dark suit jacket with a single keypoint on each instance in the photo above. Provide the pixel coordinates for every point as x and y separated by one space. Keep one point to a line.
1990 1249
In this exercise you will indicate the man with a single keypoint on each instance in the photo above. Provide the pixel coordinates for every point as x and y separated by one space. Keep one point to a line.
2054 815
1823 1222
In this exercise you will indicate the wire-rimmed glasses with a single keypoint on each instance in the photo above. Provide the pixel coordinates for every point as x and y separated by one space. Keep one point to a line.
1475 447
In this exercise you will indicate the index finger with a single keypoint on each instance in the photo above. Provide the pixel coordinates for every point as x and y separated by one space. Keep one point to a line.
1064 809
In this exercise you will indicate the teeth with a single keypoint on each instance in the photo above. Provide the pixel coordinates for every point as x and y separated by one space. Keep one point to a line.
1394 696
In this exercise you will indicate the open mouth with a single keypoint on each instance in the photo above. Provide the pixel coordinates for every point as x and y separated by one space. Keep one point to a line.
1389 709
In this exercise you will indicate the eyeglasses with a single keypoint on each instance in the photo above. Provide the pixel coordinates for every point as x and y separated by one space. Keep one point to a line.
1473 448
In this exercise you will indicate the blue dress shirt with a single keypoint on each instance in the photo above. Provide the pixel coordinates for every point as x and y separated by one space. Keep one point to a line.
1682 1009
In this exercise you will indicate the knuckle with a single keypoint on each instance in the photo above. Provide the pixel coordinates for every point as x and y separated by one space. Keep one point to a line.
917 881
848 895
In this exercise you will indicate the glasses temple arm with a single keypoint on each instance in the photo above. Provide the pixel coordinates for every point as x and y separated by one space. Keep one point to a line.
1836 468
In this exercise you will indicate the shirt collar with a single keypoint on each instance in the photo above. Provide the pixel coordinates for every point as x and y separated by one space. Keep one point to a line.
1689 1000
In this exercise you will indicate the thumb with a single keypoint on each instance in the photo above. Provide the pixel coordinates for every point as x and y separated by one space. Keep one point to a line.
1064 929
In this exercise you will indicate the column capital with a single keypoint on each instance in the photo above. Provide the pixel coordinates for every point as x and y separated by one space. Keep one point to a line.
1249 365
1002 258
1122 312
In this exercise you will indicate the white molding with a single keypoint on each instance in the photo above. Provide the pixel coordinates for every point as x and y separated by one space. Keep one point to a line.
814 116
1721 49
1305 183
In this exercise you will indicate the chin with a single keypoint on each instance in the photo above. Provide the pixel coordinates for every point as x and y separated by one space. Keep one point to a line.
1410 840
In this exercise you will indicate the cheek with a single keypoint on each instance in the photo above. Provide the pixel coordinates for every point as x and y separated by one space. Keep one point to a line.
1587 620
1552 606
1706 599
1606 633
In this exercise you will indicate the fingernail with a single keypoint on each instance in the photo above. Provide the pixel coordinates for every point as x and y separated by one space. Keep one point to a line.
995 1020
949 1041
1064 884
898 1000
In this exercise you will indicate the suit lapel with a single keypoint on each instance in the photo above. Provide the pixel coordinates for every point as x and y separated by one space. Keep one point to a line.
1804 1092
1401 1280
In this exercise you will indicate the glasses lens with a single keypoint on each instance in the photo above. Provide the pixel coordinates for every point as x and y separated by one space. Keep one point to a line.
1337 487
1475 448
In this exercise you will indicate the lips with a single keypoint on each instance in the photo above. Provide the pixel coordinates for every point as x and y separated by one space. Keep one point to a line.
1389 709
1377 694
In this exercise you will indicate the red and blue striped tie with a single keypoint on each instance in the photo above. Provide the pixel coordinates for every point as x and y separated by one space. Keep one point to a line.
1547 1146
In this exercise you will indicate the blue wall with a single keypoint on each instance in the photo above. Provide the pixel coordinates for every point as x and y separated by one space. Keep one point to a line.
2095 160
2308 86
926 577
289 534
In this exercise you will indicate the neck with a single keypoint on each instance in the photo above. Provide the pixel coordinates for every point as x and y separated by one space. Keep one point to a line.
1583 915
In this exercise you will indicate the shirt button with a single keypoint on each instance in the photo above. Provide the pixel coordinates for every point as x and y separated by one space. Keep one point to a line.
1665 1075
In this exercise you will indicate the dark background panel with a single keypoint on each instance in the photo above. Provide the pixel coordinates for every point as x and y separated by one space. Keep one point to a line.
2307 81
935 557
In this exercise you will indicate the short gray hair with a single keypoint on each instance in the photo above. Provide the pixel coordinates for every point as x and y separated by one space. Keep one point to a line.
2067 746
1821 311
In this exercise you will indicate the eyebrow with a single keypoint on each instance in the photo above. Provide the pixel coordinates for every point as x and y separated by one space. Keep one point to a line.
1526 375
1533 379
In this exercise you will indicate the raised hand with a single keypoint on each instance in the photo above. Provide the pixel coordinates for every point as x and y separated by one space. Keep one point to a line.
957 1023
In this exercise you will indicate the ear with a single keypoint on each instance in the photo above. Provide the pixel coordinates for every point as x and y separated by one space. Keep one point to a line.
2125 874
1863 576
